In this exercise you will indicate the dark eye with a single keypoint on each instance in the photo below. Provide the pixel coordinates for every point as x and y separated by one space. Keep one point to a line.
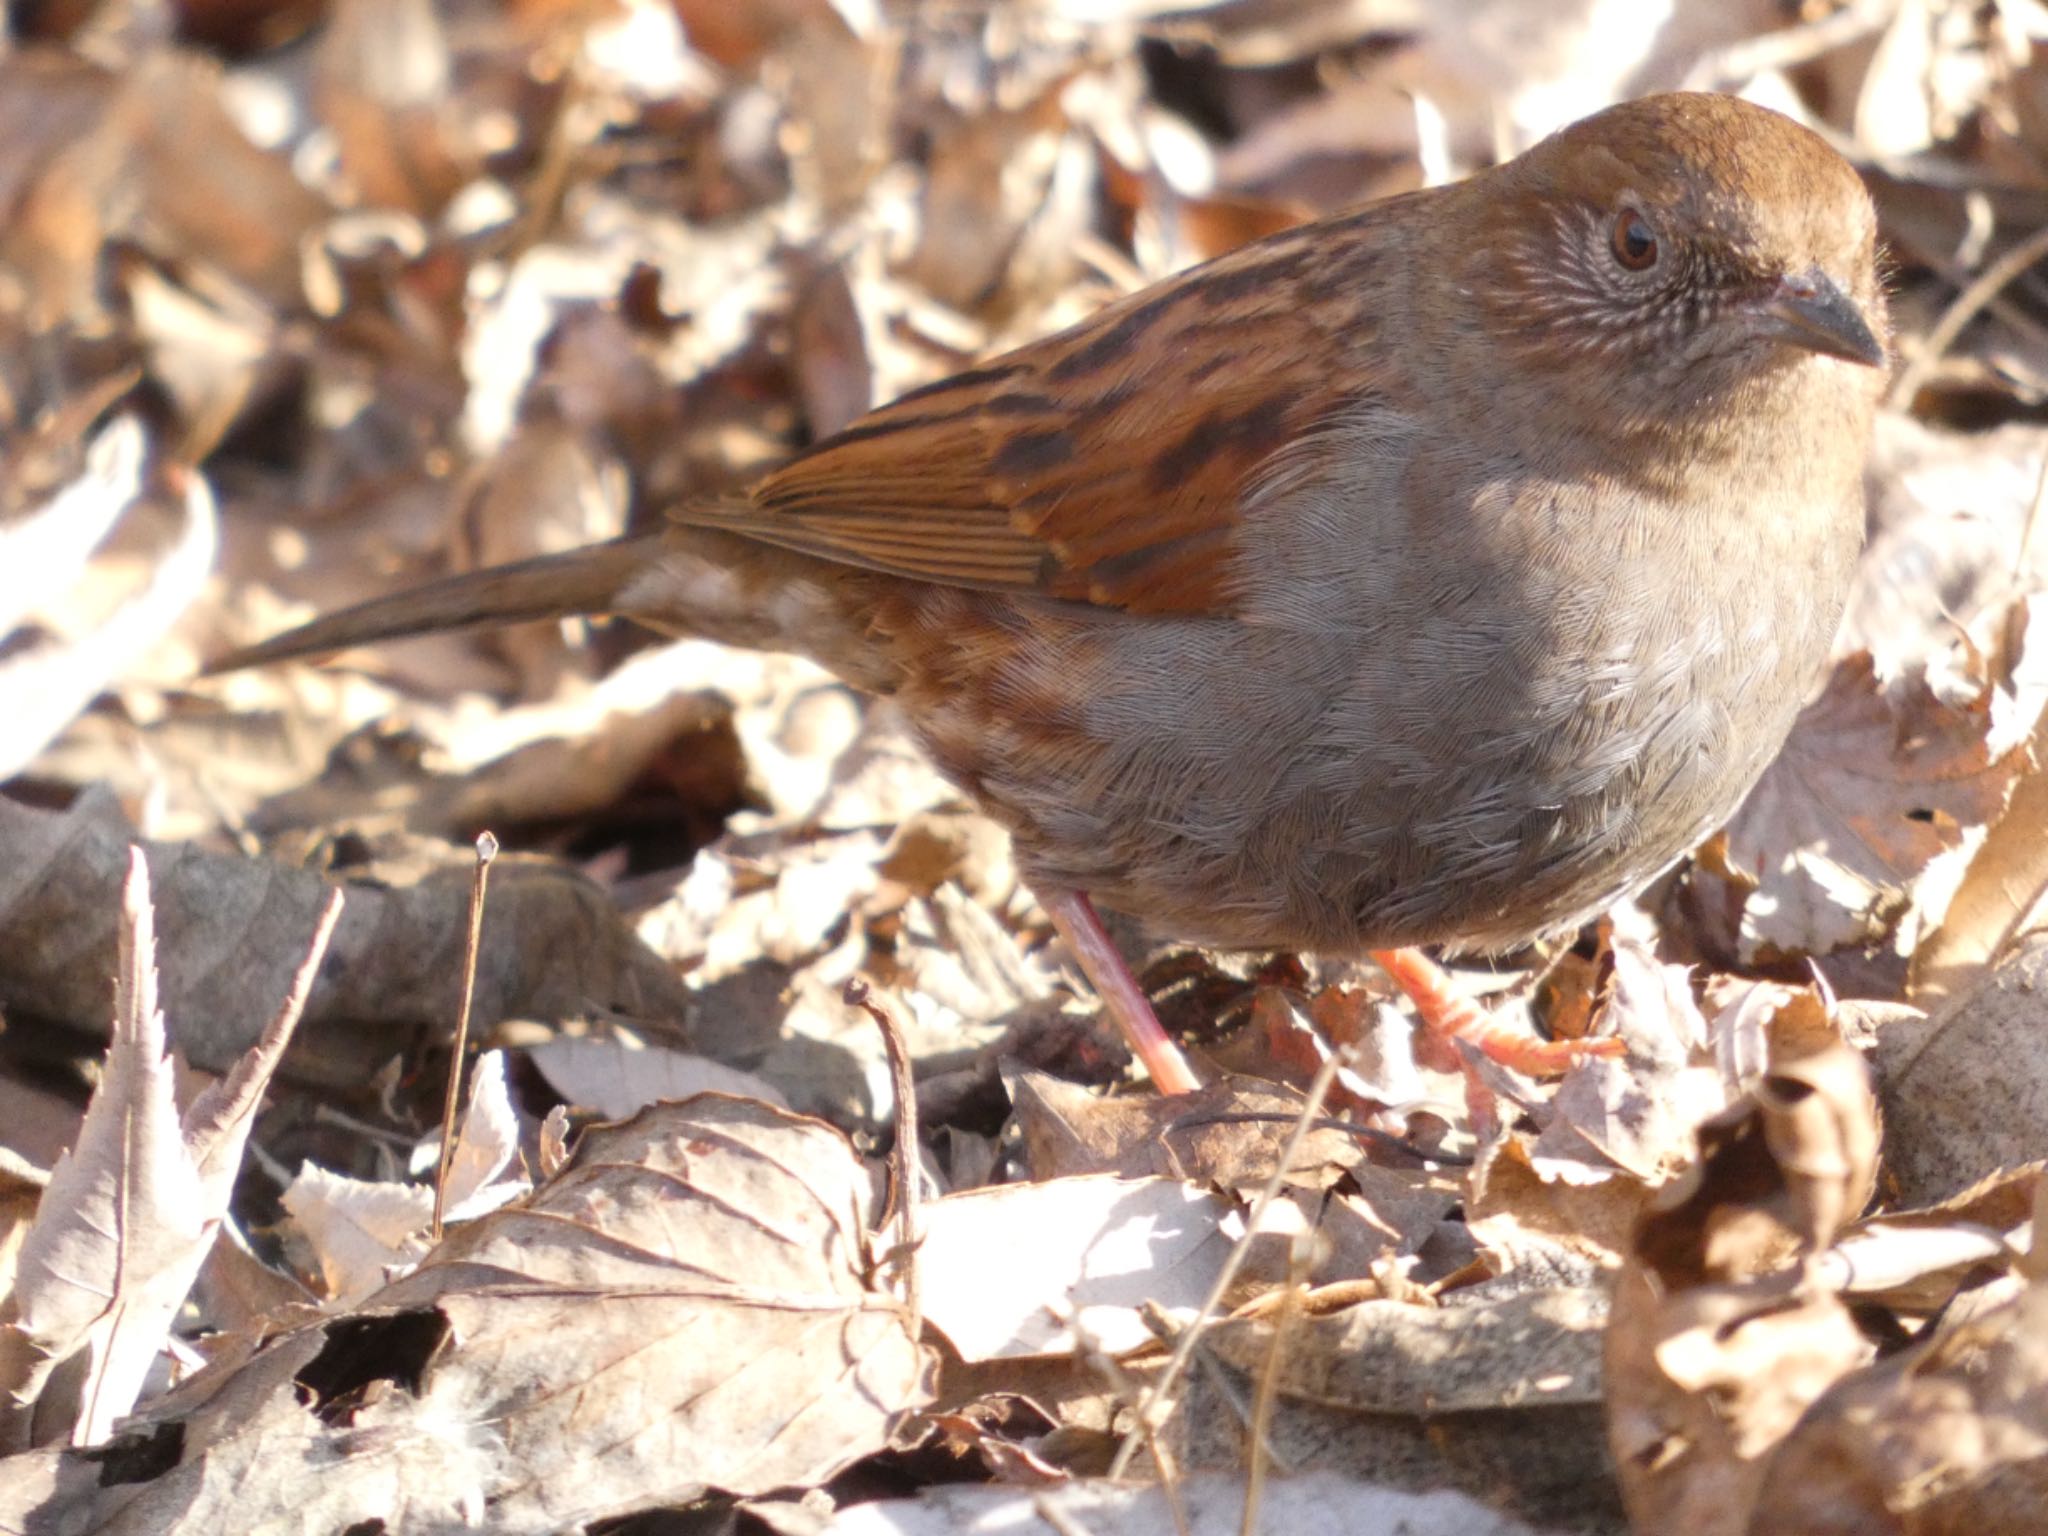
1634 242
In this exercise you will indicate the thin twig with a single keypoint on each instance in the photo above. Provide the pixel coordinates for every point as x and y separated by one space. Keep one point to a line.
1088 1349
2019 559
1259 1451
1789 47
1162 1389
903 1163
1981 291
486 850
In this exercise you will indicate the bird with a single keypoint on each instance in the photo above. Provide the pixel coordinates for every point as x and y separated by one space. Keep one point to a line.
1435 573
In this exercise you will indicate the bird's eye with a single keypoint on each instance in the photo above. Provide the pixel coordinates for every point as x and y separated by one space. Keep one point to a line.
1634 242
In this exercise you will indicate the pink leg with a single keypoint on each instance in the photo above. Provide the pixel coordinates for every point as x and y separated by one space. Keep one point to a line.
1073 915
1457 1017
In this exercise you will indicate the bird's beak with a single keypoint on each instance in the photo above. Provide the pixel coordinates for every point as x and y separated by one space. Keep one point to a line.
1809 309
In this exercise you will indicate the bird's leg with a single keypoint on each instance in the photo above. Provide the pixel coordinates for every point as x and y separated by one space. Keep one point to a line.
1073 915
1456 1017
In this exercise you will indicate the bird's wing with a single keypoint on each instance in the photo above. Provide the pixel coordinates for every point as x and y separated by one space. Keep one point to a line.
1109 464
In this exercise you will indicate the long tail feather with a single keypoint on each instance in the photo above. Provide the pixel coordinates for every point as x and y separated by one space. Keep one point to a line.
578 581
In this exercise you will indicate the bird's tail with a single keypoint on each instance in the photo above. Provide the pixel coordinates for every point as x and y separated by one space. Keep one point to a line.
590 580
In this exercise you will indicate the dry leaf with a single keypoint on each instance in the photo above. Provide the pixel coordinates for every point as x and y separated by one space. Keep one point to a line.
1716 1347
614 1076
128 1214
1877 782
362 1234
1949 1438
688 1305
1033 1269
1973 1097
553 945
44 684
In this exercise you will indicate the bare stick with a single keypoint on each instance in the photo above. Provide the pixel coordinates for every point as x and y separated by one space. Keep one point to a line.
1149 1409
486 850
1260 1450
1985 287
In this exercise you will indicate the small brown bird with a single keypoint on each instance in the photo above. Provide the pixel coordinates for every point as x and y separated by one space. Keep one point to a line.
1438 573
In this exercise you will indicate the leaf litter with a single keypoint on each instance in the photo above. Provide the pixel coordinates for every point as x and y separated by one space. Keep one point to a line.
301 303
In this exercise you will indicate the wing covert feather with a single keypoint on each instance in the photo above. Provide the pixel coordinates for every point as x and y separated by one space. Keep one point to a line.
1108 464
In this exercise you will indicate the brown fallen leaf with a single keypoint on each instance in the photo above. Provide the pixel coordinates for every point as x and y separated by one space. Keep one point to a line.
1949 1438
1719 1339
1878 780
554 946
687 1305
1999 900
1068 1130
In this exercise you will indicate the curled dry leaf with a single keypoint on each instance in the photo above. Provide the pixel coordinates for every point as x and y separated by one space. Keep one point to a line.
687 1305
362 1232
1718 1341
1999 899
1639 1110
49 544
1916 1261
1949 1438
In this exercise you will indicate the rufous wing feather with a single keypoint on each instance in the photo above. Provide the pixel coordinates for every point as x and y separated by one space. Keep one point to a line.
1109 464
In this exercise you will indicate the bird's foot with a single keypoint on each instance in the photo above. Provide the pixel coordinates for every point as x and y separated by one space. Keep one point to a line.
1453 1016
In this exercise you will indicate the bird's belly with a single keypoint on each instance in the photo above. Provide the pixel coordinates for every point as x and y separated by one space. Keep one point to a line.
1250 788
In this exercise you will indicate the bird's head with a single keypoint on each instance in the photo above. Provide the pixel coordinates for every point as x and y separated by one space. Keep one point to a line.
1669 251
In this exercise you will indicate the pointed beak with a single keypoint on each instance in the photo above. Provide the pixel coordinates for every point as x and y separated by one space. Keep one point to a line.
1809 309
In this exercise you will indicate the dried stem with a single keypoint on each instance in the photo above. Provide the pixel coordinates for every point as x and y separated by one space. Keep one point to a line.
1160 1393
486 850
903 1166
